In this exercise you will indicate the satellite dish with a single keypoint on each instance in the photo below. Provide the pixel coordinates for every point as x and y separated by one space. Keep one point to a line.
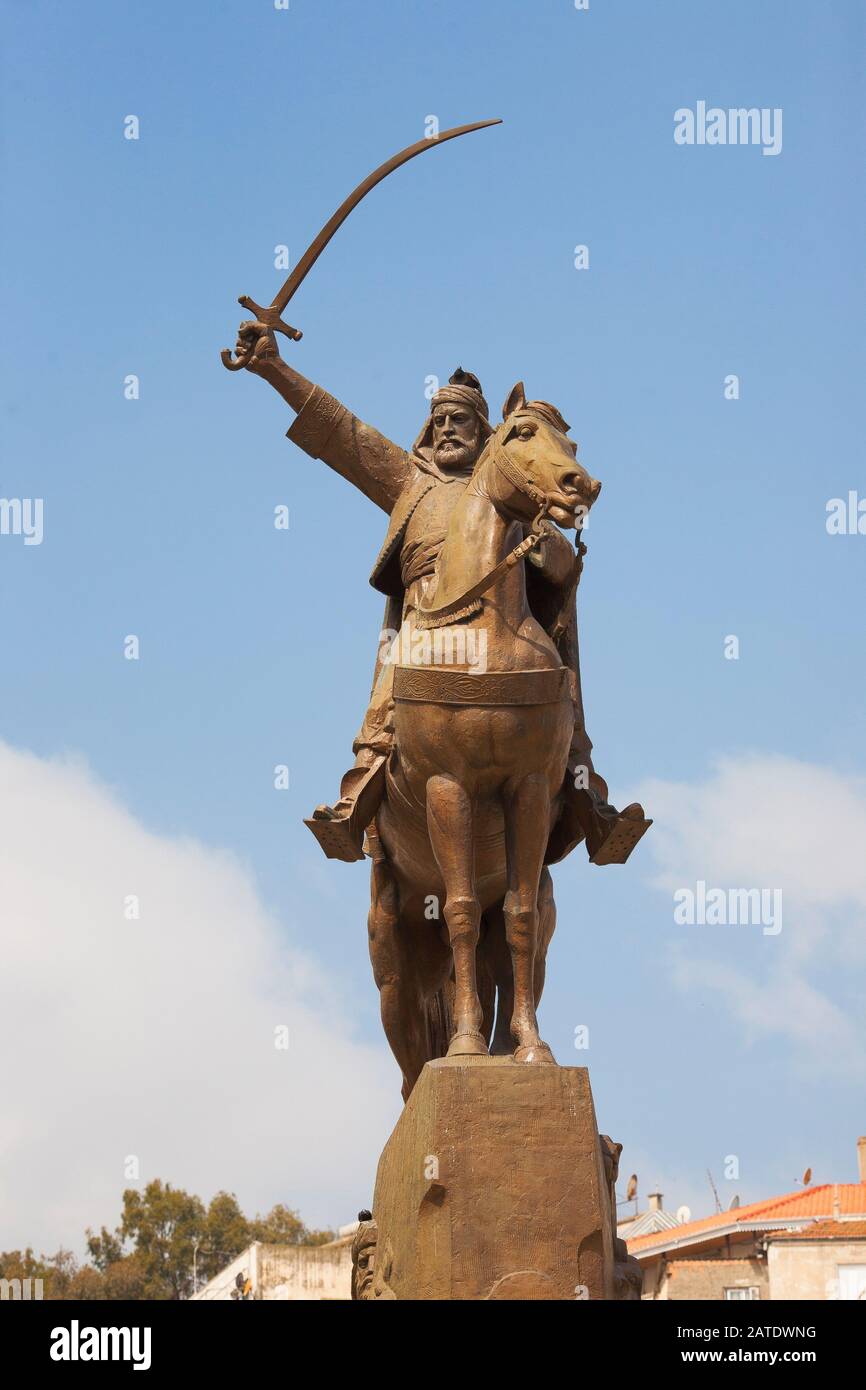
683 1215
807 1177
735 1202
631 1190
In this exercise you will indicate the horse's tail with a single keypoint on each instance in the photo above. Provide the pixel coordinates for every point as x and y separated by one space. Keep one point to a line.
439 1020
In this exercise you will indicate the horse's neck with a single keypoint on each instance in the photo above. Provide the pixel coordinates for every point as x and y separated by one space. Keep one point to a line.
478 537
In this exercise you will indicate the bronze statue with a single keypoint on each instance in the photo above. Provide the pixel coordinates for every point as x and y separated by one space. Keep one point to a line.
470 777
627 1272
370 1269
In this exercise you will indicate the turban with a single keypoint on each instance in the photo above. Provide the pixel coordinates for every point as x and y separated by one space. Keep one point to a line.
462 389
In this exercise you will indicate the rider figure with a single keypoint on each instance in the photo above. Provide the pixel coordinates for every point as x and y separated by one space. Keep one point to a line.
419 490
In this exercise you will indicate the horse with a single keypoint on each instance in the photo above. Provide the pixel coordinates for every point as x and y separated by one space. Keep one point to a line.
462 909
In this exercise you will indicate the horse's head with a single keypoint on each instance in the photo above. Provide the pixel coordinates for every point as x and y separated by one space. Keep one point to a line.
536 464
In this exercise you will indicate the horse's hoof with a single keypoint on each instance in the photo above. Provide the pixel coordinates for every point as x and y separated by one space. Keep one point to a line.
535 1052
467 1045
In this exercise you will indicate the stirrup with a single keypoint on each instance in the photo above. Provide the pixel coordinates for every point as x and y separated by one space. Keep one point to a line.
629 827
336 838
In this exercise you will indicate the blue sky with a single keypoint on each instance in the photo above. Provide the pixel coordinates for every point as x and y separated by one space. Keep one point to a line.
125 256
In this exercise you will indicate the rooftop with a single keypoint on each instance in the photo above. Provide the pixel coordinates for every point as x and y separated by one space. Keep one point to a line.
825 1230
801 1208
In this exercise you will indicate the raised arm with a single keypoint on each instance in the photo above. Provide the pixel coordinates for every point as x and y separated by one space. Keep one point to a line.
325 429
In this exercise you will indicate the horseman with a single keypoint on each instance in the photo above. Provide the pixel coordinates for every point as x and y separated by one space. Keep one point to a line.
419 490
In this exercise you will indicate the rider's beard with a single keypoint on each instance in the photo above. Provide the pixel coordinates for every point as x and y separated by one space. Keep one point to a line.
454 454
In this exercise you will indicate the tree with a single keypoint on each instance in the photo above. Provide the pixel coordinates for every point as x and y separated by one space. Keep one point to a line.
165 1223
126 1279
227 1233
104 1249
150 1253
87 1284
57 1272
282 1226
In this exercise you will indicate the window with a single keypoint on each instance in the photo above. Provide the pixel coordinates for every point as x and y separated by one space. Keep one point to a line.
852 1281
753 1292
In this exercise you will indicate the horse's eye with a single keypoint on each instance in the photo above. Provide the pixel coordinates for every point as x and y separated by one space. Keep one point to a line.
527 432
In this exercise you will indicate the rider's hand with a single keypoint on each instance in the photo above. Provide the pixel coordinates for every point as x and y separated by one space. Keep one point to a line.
554 556
261 339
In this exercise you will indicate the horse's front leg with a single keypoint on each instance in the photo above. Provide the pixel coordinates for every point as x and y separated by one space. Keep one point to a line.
527 821
450 826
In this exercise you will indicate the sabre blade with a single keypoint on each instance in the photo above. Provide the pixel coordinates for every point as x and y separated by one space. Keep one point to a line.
317 246
271 315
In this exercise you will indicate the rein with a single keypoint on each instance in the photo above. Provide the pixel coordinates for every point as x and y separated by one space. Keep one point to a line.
438 616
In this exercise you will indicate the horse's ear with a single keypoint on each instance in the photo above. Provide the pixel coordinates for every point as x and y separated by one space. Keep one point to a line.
515 400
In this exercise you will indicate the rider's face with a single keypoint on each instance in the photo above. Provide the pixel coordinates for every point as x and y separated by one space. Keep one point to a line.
456 436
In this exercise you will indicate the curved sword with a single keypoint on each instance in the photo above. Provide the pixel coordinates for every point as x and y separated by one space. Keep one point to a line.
272 315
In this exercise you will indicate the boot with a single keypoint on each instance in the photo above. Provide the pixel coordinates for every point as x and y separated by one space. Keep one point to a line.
339 829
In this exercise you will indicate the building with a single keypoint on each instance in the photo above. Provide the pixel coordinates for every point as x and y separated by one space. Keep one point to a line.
643 1223
808 1244
826 1260
287 1272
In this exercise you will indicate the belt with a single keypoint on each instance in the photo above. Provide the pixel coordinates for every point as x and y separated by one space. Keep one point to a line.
438 685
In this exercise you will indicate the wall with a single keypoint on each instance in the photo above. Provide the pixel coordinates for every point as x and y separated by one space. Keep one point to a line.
288 1272
222 1284
807 1269
685 1279
306 1272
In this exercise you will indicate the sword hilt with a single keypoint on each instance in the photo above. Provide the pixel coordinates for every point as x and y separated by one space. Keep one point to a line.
270 317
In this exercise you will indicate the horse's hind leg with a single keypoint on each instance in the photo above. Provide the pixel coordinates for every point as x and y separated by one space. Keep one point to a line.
527 819
546 928
450 825
497 957
409 1015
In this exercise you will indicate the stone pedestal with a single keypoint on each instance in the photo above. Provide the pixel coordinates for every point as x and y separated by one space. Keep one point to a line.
493 1186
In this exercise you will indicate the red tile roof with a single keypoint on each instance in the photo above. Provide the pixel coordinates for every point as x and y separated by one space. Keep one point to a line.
825 1230
793 1206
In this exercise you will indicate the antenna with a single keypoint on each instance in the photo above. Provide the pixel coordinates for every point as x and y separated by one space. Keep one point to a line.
807 1177
735 1202
684 1214
715 1193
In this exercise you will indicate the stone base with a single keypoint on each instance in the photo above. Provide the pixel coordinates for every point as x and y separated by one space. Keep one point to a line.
493 1186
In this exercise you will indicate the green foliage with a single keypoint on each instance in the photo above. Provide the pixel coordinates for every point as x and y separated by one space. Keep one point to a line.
281 1226
165 1225
57 1272
163 1235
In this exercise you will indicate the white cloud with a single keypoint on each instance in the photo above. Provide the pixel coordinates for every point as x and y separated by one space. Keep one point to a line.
156 1037
762 821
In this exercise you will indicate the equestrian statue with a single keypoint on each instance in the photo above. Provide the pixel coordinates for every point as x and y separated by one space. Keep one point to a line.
473 769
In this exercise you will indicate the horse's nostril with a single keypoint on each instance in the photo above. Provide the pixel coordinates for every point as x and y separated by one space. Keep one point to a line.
594 488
